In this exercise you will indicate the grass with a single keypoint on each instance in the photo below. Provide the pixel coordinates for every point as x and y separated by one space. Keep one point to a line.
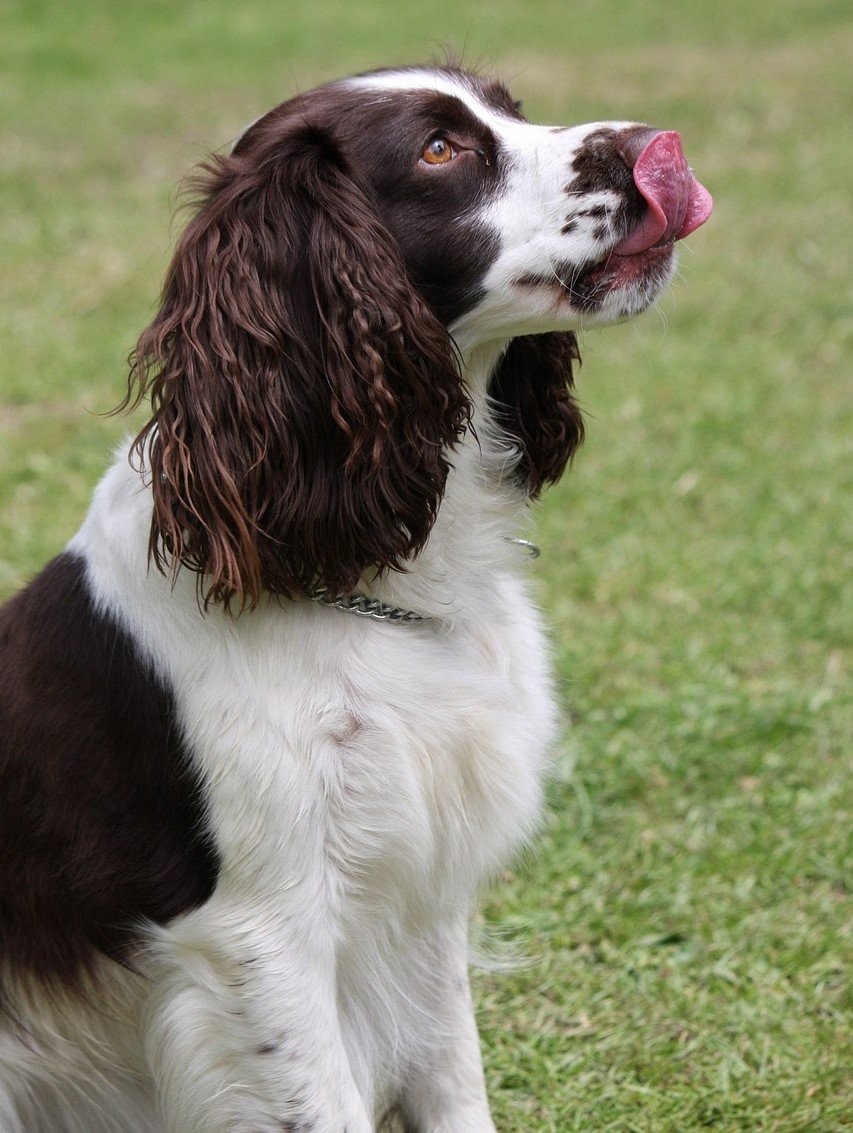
685 911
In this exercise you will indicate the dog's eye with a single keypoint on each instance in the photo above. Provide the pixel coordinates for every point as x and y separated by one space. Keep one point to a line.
438 152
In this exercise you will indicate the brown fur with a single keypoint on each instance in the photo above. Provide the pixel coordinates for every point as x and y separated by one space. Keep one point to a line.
304 395
532 391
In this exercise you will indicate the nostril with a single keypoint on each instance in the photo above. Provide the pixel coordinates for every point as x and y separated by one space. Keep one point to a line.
630 143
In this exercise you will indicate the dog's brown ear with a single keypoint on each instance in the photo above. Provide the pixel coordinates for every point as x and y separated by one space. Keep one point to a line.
531 391
304 395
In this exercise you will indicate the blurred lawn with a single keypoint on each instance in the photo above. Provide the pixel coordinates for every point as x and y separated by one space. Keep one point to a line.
685 913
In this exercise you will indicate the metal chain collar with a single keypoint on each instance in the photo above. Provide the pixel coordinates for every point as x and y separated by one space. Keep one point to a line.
367 607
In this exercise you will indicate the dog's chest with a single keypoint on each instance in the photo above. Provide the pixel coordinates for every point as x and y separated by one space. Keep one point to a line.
389 770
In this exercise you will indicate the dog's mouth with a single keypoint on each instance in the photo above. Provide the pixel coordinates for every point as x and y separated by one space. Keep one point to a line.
675 204
671 203
647 271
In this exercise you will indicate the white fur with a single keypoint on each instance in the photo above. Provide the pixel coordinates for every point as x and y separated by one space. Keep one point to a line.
362 780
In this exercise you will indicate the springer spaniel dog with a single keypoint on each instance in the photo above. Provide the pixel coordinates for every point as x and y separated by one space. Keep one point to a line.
283 702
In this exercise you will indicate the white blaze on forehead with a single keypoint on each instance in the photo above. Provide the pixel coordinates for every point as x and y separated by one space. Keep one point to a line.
509 130
439 82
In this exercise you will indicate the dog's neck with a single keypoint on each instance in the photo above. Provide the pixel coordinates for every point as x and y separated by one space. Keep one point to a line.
470 547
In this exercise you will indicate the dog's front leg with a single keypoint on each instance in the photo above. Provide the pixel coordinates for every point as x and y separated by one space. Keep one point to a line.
242 1031
446 1091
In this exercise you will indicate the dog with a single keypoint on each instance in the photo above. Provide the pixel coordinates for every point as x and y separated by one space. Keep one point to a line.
283 703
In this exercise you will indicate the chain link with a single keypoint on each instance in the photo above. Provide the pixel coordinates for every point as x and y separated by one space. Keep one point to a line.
530 548
367 607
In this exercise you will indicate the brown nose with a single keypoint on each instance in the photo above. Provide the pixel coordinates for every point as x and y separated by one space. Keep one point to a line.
631 142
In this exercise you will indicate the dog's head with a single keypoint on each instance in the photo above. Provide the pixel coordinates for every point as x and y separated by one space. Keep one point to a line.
359 242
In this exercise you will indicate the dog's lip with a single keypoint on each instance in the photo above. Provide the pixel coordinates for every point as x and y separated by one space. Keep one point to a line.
676 203
618 263
586 284
624 273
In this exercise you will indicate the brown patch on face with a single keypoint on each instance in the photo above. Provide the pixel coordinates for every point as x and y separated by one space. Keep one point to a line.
599 168
431 213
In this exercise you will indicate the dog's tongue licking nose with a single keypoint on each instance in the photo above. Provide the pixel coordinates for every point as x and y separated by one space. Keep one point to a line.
677 203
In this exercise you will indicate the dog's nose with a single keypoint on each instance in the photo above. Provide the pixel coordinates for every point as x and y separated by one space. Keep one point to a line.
632 142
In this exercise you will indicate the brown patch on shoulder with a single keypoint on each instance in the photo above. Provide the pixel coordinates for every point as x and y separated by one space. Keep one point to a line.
102 823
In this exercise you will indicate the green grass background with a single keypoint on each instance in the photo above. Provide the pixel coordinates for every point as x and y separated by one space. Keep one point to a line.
684 913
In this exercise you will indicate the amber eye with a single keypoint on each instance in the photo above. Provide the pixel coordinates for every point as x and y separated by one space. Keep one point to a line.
438 152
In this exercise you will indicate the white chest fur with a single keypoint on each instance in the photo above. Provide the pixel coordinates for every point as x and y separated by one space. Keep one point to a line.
319 736
361 778
388 767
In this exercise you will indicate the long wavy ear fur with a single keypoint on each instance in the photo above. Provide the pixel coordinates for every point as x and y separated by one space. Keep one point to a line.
304 396
531 392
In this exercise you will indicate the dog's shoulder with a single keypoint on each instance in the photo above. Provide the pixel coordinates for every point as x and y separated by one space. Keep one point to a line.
101 823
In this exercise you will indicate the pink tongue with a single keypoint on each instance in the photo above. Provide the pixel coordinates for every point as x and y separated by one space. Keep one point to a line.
677 203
